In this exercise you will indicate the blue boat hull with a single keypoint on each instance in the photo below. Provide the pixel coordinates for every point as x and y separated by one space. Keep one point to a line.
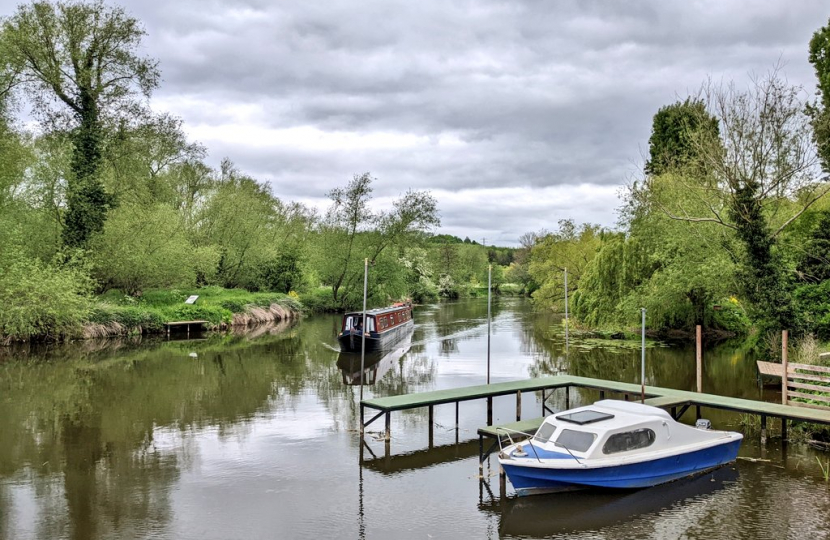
529 480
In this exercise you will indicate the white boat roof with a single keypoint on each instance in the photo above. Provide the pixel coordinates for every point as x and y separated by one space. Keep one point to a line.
625 413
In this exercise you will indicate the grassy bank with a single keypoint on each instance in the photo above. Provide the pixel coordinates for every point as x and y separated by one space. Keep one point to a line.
114 313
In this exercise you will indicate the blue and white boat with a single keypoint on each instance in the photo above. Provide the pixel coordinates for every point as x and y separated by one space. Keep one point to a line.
614 444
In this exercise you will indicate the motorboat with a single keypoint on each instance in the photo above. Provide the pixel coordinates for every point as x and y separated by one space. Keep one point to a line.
613 444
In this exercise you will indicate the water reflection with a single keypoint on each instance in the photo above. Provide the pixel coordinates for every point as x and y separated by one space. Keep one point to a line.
579 511
375 364
232 435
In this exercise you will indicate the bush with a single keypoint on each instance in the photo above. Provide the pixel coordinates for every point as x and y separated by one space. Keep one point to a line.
41 300
320 300
731 318
130 317
812 304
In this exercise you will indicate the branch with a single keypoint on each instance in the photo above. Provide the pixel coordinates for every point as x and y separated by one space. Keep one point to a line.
804 209
695 220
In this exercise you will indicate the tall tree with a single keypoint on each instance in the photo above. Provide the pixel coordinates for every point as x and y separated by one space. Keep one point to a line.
756 179
820 112
78 64
673 128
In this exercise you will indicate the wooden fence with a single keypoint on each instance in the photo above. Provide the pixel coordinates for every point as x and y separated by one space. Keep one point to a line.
800 377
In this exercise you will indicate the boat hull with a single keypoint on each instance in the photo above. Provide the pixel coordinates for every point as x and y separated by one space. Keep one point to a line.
528 480
376 341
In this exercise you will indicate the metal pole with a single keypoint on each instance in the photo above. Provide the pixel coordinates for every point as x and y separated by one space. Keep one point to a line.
643 360
489 289
566 306
365 326
699 357
785 373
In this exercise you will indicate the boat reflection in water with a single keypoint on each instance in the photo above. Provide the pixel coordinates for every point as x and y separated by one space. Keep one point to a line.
375 364
576 511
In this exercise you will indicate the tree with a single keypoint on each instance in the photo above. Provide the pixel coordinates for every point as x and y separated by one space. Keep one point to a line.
571 247
78 65
820 112
673 128
351 232
756 179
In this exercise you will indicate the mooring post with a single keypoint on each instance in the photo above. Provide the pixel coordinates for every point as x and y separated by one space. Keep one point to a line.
502 483
388 435
783 429
763 429
544 398
567 397
785 374
602 394
490 411
430 425
361 419
518 405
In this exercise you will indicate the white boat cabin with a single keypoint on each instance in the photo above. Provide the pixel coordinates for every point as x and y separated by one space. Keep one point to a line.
611 430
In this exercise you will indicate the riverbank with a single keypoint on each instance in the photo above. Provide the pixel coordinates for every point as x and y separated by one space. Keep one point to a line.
116 314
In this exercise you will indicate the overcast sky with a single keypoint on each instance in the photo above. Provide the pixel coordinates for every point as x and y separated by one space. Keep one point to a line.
513 114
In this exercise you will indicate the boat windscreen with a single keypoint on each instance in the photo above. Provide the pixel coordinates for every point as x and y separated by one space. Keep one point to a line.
584 417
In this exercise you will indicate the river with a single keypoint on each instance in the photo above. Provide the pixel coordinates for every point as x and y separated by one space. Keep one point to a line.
254 435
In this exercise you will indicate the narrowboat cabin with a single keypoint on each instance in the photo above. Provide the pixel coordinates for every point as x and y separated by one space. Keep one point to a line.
383 328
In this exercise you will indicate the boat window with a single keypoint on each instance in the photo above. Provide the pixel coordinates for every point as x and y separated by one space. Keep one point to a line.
370 324
579 441
545 432
630 440
351 322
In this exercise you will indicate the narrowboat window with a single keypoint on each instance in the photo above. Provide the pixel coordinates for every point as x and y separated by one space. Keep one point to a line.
579 441
630 440
351 322
370 324
545 432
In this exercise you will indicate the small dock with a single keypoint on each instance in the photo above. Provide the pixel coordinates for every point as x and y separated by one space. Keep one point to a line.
675 401
769 372
195 325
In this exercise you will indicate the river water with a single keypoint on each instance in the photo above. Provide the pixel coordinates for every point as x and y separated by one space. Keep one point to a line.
247 436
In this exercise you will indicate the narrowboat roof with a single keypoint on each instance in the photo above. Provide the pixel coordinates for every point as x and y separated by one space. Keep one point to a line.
380 311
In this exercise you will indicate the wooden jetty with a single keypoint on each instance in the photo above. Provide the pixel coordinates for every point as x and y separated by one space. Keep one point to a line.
197 325
676 401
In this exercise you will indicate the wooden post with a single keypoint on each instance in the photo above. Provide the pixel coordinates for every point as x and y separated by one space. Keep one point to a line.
502 483
388 426
783 429
490 411
567 397
518 405
361 419
480 457
699 356
431 416
602 394
785 375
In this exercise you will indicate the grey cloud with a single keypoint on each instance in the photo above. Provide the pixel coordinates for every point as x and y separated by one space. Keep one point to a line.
540 93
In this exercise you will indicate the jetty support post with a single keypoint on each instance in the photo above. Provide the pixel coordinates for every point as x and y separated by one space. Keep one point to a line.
456 423
431 418
502 483
518 405
388 434
784 371
490 410
362 413
567 397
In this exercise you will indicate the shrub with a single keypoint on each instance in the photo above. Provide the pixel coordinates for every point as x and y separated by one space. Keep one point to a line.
41 300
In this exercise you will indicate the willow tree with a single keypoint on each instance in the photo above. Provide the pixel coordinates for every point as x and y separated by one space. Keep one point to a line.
756 179
78 65
820 111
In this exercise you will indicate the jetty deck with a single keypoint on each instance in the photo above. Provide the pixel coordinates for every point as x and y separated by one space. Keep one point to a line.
678 401
169 326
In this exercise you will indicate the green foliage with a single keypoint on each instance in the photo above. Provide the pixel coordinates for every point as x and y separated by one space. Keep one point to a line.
44 44
142 248
132 317
813 306
820 112
40 300
572 247
671 145
283 273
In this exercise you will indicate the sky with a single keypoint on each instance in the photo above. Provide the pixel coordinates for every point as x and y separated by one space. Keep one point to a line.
513 114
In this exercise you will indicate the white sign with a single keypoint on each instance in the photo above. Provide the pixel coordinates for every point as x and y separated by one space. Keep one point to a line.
192 299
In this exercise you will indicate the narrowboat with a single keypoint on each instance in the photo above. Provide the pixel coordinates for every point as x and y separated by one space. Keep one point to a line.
384 327
614 444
